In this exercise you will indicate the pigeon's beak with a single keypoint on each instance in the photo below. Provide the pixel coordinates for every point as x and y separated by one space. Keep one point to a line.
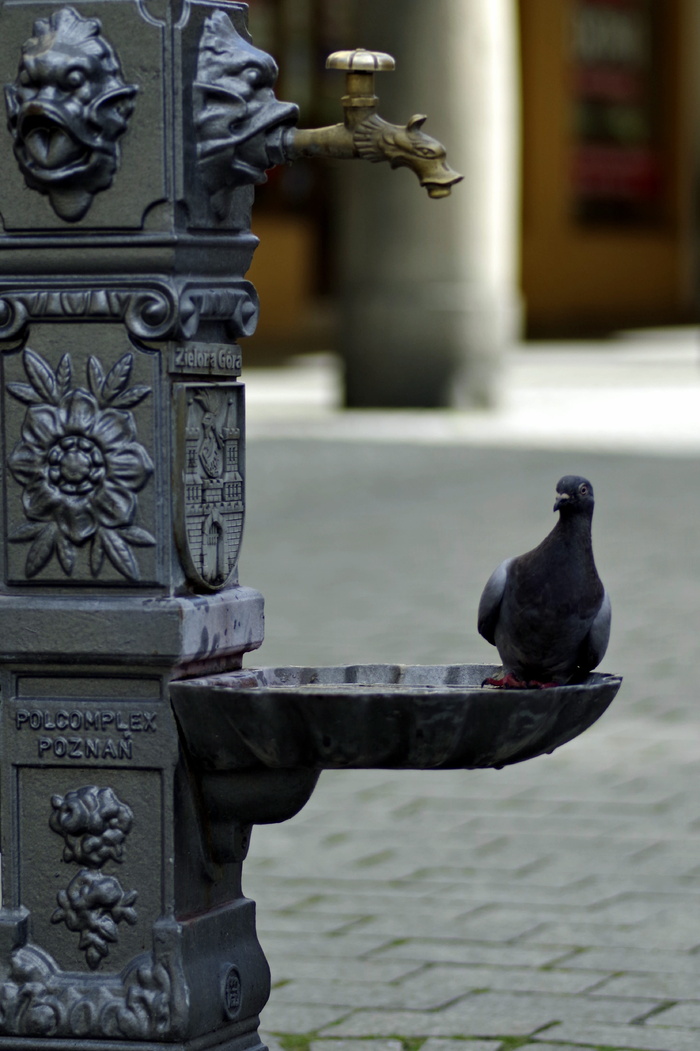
561 499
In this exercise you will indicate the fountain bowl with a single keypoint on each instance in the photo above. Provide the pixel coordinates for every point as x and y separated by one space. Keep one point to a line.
380 716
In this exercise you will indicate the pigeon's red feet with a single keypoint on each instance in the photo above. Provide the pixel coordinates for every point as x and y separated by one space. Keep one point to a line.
511 682
506 682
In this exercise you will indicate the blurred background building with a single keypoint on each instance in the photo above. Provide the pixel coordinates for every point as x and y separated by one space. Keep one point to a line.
575 123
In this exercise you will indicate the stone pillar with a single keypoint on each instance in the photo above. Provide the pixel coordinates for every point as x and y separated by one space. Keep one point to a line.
689 71
429 289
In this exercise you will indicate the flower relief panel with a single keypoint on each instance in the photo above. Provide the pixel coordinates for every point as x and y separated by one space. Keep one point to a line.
79 504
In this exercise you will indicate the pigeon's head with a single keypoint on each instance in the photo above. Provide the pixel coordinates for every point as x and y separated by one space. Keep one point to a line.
574 495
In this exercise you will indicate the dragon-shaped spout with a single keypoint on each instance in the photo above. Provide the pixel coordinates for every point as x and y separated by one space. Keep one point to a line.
374 139
409 147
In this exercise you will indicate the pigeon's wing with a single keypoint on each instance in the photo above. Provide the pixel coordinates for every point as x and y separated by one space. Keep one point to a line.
595 644
490 602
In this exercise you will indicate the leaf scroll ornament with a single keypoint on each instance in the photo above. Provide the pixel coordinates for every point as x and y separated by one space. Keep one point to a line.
80 465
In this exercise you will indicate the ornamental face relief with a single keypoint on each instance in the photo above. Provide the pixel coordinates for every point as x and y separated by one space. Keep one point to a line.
67 109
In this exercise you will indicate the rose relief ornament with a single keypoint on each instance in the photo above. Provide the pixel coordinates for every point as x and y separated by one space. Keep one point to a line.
94 823
80 465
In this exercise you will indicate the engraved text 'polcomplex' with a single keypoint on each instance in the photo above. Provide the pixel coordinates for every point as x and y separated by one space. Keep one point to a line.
80 734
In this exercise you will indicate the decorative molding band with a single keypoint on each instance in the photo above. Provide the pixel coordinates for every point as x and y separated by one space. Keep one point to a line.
151 309
147 1001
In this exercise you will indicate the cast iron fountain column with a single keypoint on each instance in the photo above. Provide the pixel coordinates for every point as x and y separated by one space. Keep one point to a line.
122 295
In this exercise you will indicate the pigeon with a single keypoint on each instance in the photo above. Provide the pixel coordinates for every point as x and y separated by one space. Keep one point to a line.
547 611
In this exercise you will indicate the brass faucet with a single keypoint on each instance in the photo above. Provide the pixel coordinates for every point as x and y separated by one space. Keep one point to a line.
366 135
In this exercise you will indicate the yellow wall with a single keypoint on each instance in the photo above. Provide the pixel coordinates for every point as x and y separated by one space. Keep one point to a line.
577 277
283 272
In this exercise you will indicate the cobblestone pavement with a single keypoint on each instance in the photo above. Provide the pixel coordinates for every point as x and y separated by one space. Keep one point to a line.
550 905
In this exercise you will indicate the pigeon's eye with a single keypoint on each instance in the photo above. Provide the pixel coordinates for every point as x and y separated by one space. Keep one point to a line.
583 489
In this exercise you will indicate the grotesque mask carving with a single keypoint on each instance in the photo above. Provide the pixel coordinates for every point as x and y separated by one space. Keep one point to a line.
67 109
238 120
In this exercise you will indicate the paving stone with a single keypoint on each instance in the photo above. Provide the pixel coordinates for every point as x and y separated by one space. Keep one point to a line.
628 908
429 989
658 986
542 1046
339 896
283 1018
348 969
356 1045
275 922
434 951
621 959
435 1043
363 995
475 1011
632 1037
638 936
547 1047
686 1015
491 1015
487 923
339 945
520 891
508 979
386 1023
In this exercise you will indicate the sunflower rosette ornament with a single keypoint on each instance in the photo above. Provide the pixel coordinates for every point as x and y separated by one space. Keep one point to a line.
80 465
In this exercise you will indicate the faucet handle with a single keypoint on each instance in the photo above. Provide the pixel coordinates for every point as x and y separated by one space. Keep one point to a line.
361 61
360 66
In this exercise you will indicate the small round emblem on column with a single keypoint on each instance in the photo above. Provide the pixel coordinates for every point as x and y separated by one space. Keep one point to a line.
232 992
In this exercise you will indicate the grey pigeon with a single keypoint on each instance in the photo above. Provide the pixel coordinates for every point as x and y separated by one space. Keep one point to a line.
547 611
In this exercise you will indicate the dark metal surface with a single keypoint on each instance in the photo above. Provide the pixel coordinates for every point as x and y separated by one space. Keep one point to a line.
122 295
393 716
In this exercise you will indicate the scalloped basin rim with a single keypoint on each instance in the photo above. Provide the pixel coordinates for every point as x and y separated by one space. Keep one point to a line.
378 716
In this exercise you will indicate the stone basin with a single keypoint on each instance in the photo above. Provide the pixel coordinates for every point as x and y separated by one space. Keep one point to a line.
258 738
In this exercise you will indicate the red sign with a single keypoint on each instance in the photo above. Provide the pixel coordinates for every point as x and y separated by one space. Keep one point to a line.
616 167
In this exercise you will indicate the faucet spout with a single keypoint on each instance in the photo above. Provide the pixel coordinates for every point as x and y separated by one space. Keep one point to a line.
374 139
365 135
